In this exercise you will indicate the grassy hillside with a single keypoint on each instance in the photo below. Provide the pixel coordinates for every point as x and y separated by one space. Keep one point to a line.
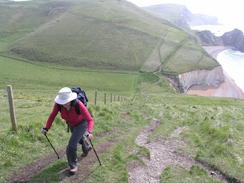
18 19
113 35
178 57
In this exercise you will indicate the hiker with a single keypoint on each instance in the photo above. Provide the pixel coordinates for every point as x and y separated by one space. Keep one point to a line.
80 124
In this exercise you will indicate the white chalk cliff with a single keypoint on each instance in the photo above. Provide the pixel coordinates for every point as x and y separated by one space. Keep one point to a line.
201 77
213 82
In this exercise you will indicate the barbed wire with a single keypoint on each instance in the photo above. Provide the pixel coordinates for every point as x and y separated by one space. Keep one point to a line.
23 97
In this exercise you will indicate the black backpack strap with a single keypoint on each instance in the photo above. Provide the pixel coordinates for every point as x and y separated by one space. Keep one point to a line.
59 110
67 127
75 103
59 107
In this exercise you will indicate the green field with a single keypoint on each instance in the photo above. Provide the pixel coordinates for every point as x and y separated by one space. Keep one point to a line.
29 75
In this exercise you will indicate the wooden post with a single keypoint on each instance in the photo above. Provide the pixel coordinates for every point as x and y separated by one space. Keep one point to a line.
105 98
95 102
111 98
11 107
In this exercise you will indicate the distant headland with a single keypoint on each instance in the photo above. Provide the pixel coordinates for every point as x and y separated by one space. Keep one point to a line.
233 39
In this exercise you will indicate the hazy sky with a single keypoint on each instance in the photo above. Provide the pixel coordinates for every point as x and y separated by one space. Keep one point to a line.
229 12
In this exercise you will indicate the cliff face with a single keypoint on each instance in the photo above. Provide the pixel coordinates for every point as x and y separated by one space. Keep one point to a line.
234 39
207 83
186 80
226 89
201 77
208 38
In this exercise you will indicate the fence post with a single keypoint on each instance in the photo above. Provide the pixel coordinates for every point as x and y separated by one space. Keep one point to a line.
95 102
105 97
11 107
111 97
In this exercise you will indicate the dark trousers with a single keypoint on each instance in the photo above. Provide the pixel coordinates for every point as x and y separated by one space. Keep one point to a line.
77 133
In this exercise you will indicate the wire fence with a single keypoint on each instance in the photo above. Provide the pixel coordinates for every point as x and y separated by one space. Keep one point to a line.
35 105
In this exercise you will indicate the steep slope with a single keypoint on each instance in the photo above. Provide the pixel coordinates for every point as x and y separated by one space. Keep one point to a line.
112 35
108 34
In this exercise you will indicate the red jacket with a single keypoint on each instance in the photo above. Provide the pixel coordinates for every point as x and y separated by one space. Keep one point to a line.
71 117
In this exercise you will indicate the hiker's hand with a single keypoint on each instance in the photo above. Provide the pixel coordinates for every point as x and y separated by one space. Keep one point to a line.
44 131
88 135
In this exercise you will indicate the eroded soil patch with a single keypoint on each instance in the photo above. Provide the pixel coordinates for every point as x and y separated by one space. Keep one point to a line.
162 154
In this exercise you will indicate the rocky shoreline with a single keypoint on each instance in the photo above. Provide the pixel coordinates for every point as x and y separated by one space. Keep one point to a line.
228 88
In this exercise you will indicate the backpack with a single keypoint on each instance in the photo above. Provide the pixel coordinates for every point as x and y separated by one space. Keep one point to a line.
81 95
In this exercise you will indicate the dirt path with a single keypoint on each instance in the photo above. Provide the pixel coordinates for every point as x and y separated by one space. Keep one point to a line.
33 168
162 154
25 173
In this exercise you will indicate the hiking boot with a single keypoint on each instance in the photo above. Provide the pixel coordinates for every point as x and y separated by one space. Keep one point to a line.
73 169
85 151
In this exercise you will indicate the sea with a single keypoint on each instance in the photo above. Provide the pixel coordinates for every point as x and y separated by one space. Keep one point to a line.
232 61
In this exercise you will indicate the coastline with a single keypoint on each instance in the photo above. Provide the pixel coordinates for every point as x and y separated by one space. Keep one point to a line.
213 51
226 89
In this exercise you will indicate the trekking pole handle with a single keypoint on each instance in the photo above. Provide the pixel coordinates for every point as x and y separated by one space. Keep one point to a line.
52 146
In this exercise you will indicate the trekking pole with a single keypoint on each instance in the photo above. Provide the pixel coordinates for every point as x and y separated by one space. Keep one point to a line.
51 145
95 152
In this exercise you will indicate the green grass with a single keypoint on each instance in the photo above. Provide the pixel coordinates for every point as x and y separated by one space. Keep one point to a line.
19 19
196 58
27 145
215 133
178 53
174 174
37 76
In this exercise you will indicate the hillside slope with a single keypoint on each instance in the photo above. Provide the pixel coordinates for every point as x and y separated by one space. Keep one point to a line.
113 35
18 19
